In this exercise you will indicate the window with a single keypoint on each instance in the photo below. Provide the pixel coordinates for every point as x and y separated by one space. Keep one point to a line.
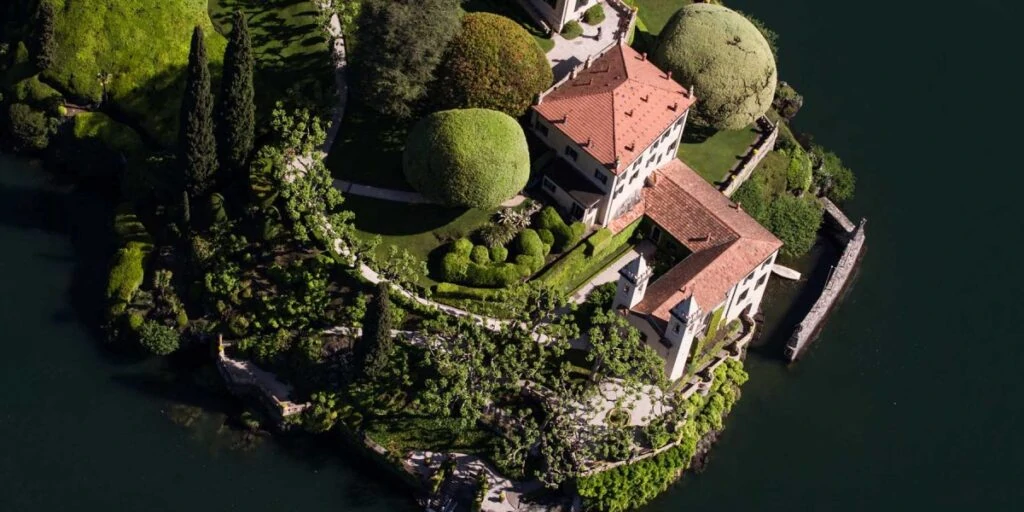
742 296
549 186
765 264
675 328
760 282
656 233
748 278
619 190
602 177
571 153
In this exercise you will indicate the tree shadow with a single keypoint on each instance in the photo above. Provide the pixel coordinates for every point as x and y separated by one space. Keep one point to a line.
390 218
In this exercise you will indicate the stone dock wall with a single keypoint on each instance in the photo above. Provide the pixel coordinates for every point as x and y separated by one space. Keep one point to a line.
808 328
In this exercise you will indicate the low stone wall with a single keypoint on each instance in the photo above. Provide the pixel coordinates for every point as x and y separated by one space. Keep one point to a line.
627 18
755 153
807 329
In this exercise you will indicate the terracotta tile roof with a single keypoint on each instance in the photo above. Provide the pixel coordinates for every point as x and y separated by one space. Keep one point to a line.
727 243
617 107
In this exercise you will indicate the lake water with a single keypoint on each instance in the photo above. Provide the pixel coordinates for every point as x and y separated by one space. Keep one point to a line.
909 400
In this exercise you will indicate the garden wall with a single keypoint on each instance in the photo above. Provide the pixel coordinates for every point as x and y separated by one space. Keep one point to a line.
808 328
755 153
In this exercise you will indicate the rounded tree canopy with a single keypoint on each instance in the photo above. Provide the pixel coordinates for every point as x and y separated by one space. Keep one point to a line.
493 63
725 58
474 157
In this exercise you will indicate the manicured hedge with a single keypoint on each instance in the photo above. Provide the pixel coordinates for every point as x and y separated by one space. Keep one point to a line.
572 30
499 254
594 15
475 158
455 291
577 263
493 63
528 242
564 235
480 255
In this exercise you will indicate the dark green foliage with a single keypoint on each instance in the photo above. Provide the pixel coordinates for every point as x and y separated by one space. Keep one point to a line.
475 158
594 15
787 101
237 110
572 30
565 235
752 196
378 346
186 211
835 179
798 175
725 58
493 63
158 338
29 128
795 220
196 146
547 237
586 258
44 42
494 235
401 43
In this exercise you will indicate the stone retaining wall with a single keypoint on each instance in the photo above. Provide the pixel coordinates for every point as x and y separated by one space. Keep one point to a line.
807 329
755 153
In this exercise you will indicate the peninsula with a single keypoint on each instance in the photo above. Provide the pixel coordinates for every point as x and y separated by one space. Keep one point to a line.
513 250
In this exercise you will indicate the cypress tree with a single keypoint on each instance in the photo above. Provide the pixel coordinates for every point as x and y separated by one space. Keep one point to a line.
377 342
237 111
45 45
186 211
196 146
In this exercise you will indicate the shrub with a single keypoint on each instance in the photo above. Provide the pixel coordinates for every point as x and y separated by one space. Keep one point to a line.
480 255
454 291
547 237
494 235
529 263
463 247
474 158
795 220
576 264
493 63
594 15
752 196
454 267
499 254
839 182
29 128
787 101
572 30
529 243
798 174
34 92
127 273
564 235
158 338
113 135
725 57
135 321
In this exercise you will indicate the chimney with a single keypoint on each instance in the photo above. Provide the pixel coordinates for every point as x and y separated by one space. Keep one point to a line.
587 144
618 161
645 98
538 99
674 107
586 65
643 56
565 118
629 113
670 75
689 94
572 74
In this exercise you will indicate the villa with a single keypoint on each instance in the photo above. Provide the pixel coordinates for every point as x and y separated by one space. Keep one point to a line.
556 13
616 123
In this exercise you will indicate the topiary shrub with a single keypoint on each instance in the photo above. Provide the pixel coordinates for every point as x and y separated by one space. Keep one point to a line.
480 255
572 30
529 243
499 254
454 267
473 158
725 58
493 63
752 196
564 235
547 237
798 174
594 15
463 247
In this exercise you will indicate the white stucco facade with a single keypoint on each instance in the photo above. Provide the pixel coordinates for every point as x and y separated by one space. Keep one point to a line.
559 12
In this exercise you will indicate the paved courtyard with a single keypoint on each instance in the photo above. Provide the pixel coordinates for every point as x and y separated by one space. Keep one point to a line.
568 54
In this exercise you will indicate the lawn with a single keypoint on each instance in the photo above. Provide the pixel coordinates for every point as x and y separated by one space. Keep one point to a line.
418 228
512 10
293 62
141 45
654 14
716 155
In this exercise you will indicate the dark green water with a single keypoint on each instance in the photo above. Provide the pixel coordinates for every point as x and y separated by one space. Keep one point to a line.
910 399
